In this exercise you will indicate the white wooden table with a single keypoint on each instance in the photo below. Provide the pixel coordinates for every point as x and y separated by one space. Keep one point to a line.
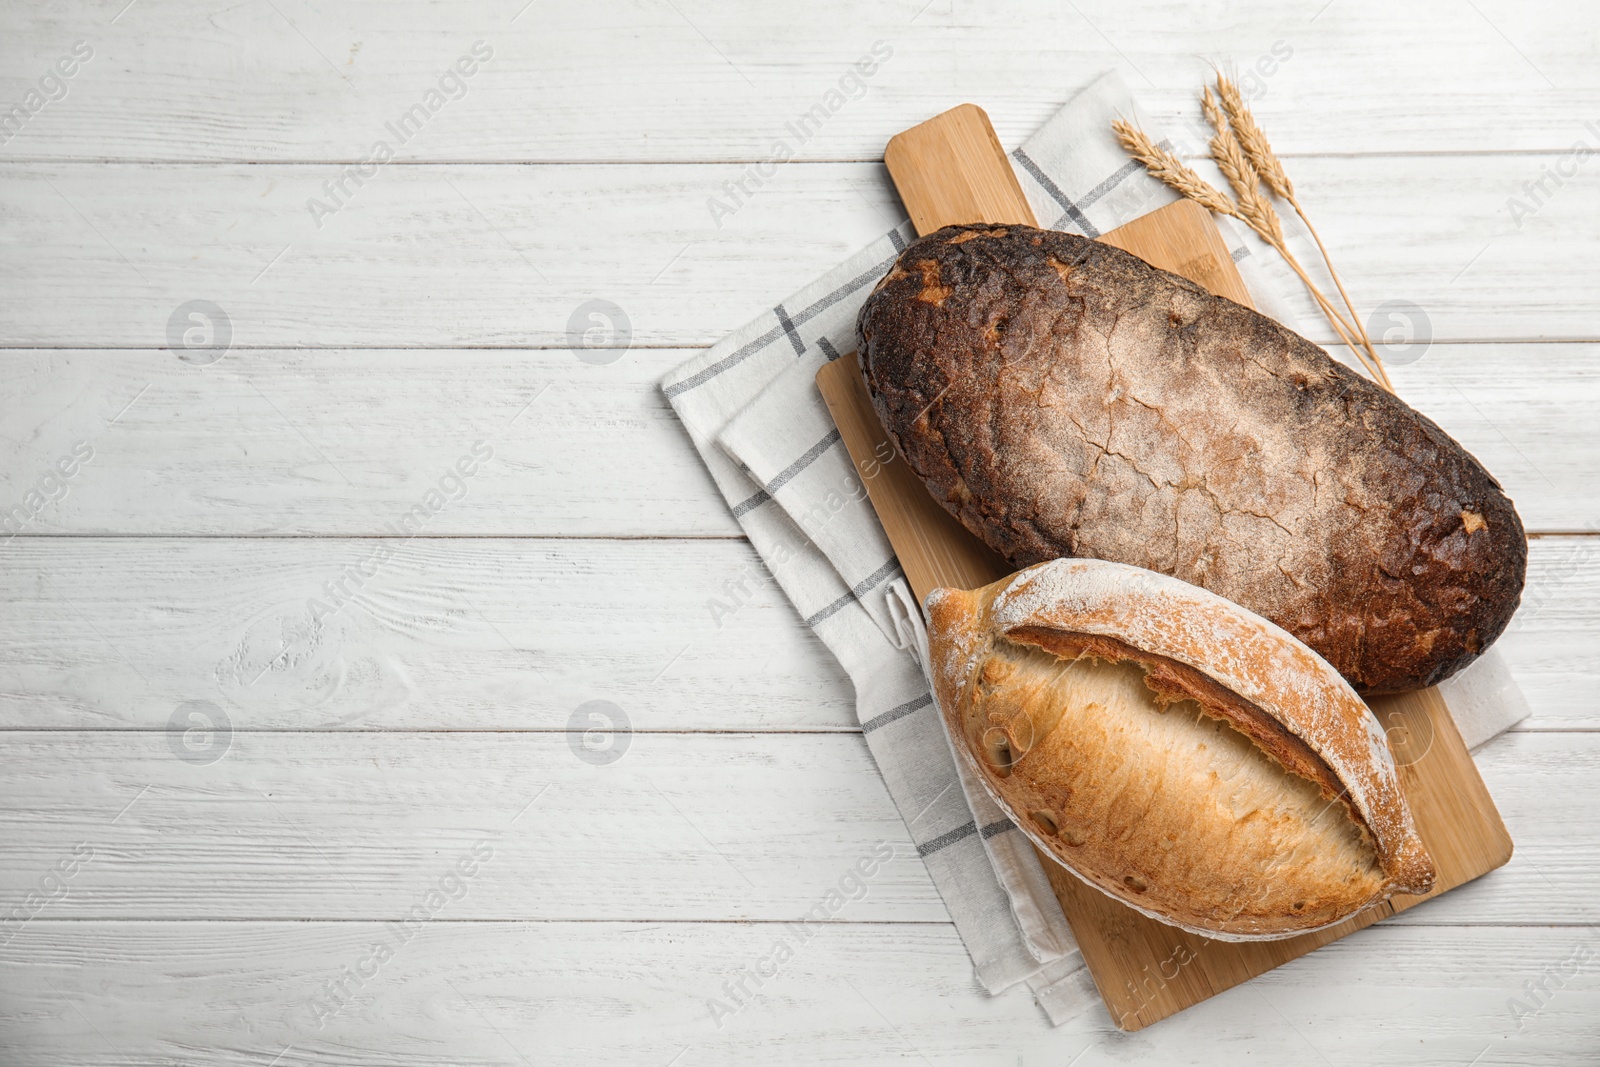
402 697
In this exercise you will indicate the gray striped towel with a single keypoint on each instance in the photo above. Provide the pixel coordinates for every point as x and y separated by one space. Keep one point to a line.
752 408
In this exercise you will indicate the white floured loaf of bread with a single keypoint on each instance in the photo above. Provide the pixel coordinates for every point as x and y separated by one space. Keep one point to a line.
1174 750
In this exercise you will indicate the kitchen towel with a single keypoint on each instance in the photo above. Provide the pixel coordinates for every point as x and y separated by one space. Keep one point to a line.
751 407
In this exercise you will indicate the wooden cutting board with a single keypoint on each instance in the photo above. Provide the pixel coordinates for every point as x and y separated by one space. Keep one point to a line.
951 169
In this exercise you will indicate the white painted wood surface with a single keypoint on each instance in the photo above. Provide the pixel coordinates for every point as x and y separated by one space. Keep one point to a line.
352 825
342 442
369 751
855 993
627 80
500 254
510 634
560 993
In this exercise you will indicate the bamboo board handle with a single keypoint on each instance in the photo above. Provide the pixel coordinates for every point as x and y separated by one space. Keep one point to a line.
952 170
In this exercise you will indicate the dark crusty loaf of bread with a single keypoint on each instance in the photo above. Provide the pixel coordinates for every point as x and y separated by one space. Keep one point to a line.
1064 398
1174 750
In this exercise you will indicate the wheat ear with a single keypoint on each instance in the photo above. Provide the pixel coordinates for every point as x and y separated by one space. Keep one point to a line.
1171 171
1258 213
1254 208
1258 151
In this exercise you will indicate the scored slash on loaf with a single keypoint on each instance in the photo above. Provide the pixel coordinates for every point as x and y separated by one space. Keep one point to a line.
1174 750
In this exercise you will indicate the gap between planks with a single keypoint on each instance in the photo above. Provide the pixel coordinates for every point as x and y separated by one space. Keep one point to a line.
1533 535
835 923
731 161
785 731
652 346
84 536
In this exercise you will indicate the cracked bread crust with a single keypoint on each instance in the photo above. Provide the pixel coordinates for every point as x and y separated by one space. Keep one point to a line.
1248 794
1061 397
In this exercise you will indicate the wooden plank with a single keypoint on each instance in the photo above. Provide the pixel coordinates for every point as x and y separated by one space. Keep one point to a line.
624 81
464 634
202 617
346 442
581 993
248 445
414 262
943 168
361 826
934 167
683 826
421 256
1551 638
1504 404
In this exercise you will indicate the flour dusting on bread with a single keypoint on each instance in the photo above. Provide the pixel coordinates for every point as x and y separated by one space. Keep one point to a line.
1173 749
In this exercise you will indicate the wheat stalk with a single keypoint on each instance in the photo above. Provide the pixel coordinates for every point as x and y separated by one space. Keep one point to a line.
1253 140
1254 208
1246 166
1258 150
1258 213
1172 172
